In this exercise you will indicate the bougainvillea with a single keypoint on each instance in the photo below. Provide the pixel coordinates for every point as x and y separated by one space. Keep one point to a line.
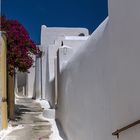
20 47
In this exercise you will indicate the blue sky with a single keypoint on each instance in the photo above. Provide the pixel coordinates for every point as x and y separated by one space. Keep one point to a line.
55 13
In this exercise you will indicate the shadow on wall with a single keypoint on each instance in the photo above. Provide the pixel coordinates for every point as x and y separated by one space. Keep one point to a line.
21 83
61 131
50 96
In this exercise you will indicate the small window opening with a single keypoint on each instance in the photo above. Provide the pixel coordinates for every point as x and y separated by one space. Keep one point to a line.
81 34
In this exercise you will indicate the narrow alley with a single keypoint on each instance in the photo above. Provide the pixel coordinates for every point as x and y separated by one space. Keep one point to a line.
31 123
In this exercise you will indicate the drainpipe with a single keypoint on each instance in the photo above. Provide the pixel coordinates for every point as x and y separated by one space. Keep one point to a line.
40 57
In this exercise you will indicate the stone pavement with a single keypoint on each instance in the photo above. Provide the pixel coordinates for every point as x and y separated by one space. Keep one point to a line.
33 125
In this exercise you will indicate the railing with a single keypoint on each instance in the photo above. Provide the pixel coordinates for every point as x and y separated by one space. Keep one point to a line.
116 133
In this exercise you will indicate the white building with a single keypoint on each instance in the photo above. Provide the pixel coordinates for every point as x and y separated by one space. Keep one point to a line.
98 91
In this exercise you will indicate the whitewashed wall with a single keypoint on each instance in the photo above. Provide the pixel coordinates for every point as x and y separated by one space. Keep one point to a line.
72 42
77 110
51 39
49 34
98 91
31 80
37 85
124 33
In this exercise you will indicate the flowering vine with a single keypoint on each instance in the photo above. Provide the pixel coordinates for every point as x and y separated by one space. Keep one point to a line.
20 47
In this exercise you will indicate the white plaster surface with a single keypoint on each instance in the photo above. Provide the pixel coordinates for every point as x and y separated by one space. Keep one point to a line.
65 53
70 44
37 88
78 110
51 40
99 88
48 37
49 34
31 80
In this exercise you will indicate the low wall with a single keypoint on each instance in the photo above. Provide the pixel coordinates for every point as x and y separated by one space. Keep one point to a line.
98 91
81 103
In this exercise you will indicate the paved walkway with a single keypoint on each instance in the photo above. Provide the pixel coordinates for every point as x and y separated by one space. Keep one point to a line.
33 126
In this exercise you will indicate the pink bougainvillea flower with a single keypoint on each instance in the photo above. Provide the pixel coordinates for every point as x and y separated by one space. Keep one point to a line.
20 47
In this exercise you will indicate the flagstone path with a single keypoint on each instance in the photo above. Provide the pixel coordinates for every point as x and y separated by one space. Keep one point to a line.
33 125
